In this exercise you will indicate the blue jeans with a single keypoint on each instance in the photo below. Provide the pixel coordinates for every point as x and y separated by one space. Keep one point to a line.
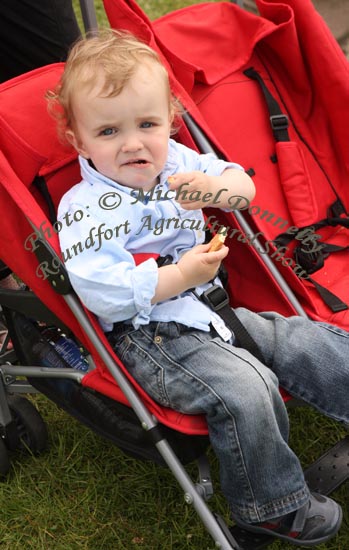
196 372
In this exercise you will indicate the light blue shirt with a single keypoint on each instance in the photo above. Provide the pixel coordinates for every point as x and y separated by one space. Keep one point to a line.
102 224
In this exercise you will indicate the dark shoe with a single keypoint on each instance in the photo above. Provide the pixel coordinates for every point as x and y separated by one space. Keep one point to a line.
316 522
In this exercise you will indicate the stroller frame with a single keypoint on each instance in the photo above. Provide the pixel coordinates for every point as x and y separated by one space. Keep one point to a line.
25 302
194 495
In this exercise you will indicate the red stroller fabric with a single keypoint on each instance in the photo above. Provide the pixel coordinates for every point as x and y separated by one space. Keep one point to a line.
208 47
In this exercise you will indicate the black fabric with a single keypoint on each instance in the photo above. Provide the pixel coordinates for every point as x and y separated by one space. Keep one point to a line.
313 258
4 271
330 299
278 119
117 422
34 33
40 183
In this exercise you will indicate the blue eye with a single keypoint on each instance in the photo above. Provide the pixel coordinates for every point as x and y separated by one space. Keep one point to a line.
108 132
147 124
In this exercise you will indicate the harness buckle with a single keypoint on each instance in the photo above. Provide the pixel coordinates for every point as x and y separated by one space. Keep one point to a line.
279 122
215 297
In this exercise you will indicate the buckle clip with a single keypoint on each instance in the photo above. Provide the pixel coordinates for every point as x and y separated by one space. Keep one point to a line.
164 260
279 122
215 297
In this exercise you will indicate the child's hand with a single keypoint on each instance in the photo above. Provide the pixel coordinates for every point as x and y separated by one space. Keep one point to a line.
193 189
198 265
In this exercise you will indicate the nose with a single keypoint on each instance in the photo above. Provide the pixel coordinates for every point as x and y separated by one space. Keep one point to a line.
132 143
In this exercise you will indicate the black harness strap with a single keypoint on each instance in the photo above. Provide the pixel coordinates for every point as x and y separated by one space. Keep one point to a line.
330 299
40 183
217 299
278 120
311 261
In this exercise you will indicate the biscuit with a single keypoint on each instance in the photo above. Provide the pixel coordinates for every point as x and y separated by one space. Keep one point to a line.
217 241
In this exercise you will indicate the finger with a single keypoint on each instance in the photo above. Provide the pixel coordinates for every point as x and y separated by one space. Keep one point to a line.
206 248
217 255
200 248
176 180
192 205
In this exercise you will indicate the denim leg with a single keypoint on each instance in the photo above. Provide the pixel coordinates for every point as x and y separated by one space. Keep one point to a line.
310 359
196 372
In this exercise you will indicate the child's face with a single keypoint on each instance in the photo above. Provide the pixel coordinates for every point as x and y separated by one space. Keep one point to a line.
126 137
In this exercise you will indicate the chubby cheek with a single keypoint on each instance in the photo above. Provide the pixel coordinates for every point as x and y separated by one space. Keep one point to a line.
105 167
160 153
102 158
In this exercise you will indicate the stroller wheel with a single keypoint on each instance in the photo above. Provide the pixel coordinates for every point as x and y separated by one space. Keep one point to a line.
4 459
32 431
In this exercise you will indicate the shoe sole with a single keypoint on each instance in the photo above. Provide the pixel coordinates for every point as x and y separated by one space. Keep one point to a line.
292 540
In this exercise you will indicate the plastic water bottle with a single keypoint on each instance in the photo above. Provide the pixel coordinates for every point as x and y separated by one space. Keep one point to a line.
48 347
65 348
45 354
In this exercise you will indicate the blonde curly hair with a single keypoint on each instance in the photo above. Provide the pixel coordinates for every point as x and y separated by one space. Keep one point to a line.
117 54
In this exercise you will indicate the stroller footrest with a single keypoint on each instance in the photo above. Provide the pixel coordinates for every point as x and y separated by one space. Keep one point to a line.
330 470
250 541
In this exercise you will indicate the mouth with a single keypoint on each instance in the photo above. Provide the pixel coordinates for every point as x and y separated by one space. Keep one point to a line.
136 163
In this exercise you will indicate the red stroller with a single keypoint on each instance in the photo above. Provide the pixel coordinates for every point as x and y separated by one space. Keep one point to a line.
35 171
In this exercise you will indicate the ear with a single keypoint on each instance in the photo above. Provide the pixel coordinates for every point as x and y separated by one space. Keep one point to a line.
76 143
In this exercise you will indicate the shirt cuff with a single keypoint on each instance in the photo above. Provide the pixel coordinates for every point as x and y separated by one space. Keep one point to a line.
144 282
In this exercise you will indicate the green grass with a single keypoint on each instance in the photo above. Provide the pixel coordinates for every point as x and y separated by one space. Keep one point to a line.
85 494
